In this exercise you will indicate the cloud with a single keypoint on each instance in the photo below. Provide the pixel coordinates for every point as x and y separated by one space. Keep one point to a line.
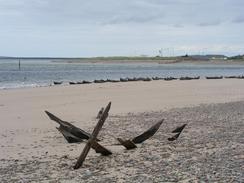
210 23
239 19
110 27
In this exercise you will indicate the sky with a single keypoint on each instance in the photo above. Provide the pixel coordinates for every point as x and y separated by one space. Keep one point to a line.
87 28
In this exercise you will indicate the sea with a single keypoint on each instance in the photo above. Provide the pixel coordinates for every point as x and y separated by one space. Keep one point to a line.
42 72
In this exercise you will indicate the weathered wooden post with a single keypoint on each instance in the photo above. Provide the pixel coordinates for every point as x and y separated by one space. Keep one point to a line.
100 113
93 137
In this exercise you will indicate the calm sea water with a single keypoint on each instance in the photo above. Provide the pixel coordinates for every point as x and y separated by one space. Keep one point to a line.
43 72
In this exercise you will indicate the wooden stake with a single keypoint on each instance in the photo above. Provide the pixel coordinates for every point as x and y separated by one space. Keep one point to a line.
19 64
95 132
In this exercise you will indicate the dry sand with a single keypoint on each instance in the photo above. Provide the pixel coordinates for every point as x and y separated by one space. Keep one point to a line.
210 149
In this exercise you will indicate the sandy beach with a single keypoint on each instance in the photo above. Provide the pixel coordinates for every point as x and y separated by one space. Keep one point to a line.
210 149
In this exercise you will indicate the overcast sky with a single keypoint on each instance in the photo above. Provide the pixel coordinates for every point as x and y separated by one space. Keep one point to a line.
73 28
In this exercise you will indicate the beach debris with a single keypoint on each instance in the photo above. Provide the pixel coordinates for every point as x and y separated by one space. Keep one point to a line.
130 144
214 77
74 134
71 138
178 131
57 82
100 113
147 134
174 137
70 132
100 149
93 137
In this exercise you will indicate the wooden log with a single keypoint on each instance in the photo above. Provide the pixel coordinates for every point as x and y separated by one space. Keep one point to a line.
147 134
128 144
91 140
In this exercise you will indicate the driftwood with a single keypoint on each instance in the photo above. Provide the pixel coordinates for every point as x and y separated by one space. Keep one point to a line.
93 137
69 136
178 131
128 144
147 134
70 132
100 149
73 134
131 144
174 137
100 113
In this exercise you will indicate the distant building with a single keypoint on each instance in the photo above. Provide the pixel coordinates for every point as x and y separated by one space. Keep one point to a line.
210 57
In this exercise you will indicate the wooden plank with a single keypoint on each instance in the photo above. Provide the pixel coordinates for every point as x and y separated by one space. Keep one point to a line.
100 113
95 132
147 134
100 149
68 127
128 144
179 129
175 137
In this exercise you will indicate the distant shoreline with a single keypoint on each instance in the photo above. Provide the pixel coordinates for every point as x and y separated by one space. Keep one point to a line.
175 61
192 59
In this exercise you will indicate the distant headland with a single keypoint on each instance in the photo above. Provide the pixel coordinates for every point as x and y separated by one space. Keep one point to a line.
210 58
